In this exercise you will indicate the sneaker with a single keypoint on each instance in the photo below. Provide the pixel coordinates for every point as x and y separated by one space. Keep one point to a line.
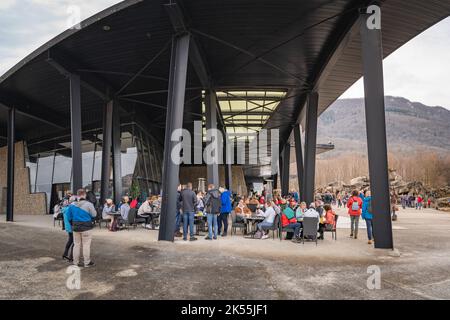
208 238
369 242
351 235
266 236
192 239
215 238
356 237
184 239
90 264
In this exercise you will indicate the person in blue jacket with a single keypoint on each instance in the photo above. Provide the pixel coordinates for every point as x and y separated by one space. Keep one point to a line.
225 210
80 215
367 214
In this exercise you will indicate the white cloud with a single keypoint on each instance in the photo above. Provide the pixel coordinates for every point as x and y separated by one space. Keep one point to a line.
419 70
6 4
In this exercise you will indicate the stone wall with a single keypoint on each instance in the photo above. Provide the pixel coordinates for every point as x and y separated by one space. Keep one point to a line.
193 173
24 201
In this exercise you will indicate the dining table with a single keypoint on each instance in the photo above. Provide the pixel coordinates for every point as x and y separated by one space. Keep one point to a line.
251 223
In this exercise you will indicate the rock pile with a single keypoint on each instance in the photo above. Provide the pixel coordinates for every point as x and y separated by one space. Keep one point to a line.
441 195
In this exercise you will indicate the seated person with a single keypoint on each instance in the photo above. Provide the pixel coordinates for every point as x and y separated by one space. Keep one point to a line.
312 213
288 220
301 209
146 210
108 208
125 208
242 211
330 217
269 218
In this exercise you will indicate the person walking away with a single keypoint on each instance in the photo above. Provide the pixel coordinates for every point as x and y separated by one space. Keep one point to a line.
225 199
212 208
367 215
354 206
68 251
80 215
188 205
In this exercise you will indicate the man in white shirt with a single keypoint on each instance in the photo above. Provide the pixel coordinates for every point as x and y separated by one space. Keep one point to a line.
269 218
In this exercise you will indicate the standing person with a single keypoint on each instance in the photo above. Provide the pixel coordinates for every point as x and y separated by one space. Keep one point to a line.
80 216
188 204
212 208
225 199
367 215
419 202
354 206
339 199
68 251
178 234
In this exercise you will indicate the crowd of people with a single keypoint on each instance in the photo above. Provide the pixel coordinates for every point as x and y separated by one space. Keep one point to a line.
215 207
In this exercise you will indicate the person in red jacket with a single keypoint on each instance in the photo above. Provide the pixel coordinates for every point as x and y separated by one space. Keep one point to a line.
354 206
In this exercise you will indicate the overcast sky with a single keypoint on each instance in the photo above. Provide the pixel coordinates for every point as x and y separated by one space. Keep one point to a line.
418 71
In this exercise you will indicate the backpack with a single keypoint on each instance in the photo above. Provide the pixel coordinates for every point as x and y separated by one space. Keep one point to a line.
355 205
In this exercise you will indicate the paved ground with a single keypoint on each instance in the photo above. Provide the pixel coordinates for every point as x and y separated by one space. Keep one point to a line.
133 265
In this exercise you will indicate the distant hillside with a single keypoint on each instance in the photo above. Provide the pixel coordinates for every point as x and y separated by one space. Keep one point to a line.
411 126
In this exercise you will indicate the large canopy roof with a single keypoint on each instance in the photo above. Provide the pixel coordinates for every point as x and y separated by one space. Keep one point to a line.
265 54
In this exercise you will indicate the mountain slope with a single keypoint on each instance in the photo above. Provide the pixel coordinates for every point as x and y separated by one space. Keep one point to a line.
410 126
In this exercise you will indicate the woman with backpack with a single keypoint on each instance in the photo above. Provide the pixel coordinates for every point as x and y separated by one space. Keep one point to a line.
367 214
354 206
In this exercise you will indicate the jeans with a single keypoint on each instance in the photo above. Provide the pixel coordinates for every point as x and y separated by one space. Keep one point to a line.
68 251
177 222
369 228
82 240
188 217
354 224
264 225
212 223
296 227
223 218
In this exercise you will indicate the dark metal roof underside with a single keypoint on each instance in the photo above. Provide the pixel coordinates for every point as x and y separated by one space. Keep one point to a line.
248 44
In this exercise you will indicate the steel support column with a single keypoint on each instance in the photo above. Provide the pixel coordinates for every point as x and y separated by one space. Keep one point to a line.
75 118
174 121
106 151
117 154
372 56
228 161
212 166
11 139
299 160
285 169
310 147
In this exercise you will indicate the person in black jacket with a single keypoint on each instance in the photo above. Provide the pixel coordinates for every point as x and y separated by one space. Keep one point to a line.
188 203
213 205
178 214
